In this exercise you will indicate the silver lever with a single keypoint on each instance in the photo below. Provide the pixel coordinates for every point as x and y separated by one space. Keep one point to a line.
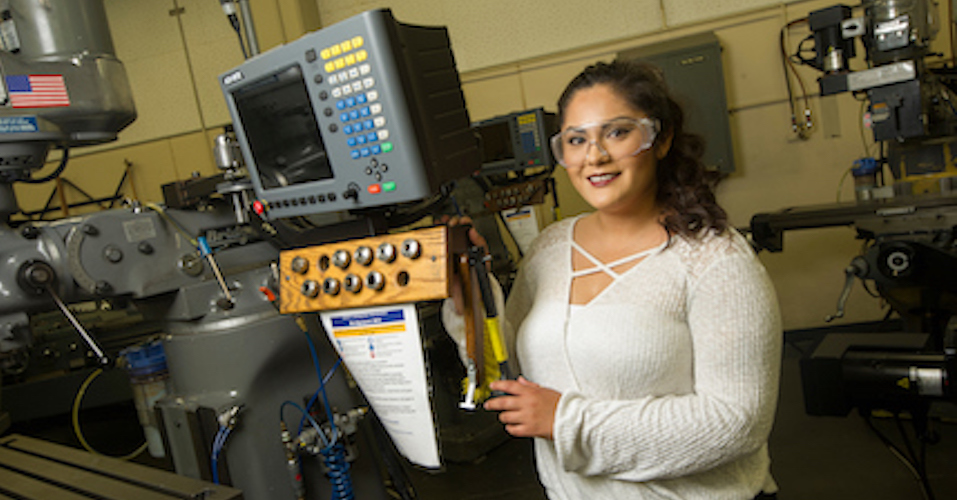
856 269
40 276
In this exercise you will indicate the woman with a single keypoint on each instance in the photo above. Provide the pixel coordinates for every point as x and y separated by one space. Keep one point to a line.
647 332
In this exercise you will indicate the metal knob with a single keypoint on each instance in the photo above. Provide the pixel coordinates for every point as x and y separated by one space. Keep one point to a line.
299 265
375 280
363 255
331 286
341 259
310 289
411 249
353 283
386 252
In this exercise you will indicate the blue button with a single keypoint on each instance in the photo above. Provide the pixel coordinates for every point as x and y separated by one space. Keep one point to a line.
341 104
361 139
361 98
347 129
358 127
369 125
376 150
364 111
351 101
354 114
355 154
365 151
351 141
372 137
344 117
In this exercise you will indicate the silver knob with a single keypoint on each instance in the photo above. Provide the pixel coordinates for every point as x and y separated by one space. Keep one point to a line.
411 249
386 252
341 259
363 255
353 283
299 265
375 280
310 289
331 286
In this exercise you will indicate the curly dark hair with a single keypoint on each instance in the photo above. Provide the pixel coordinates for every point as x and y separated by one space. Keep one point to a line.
685 186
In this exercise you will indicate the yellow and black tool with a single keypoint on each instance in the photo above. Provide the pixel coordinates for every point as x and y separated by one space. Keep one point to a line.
485 345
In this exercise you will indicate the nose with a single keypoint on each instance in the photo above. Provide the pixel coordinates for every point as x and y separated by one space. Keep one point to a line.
600 156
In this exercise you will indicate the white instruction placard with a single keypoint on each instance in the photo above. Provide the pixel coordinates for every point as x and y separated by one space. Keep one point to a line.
383 350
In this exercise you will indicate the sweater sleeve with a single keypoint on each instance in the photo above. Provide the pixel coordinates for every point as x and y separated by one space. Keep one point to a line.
736 339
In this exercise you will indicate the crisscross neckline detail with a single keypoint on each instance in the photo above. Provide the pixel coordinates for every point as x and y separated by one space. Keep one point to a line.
608 268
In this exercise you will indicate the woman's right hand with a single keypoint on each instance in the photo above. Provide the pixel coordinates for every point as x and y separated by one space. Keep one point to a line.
475 239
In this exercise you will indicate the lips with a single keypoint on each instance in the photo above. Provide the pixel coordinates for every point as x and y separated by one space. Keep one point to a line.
602 180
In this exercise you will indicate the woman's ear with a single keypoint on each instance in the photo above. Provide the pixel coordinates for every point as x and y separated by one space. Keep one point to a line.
664 145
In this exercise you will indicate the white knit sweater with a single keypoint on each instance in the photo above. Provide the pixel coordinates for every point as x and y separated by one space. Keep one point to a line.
669 377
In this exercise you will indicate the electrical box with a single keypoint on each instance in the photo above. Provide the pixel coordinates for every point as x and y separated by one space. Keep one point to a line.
694 73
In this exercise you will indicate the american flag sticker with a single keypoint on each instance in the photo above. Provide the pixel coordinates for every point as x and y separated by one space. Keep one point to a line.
37 91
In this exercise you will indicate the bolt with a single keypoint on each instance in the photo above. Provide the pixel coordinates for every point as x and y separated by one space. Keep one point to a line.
90 230
113 254
30 232
145 248
102 288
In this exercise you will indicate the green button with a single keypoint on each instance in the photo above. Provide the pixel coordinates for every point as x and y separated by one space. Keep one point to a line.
388 186
386 147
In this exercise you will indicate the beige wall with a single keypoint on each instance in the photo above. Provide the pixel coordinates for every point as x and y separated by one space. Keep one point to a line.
513 56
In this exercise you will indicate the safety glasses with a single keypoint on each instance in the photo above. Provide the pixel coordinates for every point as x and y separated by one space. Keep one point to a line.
616 138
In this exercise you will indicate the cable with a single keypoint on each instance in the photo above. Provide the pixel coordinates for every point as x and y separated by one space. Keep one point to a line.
56 173
76 419
219 442
315 425
911 466
315 395
229 8
322 384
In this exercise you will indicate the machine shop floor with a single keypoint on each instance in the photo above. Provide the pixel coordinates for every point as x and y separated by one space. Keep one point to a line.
824 458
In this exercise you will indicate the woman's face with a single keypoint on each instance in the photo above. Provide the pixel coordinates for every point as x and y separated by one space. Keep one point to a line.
609 180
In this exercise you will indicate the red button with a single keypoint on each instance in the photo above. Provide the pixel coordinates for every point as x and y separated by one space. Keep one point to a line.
258 207
375 189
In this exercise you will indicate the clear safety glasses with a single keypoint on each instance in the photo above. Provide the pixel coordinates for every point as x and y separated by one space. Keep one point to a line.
616 138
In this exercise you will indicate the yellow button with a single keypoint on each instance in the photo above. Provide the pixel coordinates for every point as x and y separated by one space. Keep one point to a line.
346 46
325 54
340 63
335 50
330 67
361 55
357 42
350 59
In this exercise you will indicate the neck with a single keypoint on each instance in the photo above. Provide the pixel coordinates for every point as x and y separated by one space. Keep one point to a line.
624 225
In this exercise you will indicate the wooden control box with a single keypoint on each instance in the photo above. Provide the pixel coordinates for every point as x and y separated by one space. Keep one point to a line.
389 269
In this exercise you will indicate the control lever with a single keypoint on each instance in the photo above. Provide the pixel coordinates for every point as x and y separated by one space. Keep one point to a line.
40 276
856 269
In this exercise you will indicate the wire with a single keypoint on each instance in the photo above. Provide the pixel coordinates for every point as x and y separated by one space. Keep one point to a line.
76 419
219 442
322 384
840 185
914 469
56 173
315 395
312 421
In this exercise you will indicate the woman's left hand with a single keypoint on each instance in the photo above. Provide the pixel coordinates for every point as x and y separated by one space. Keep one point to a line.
527 409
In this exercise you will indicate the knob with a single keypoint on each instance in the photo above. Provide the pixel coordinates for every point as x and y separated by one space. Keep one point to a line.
331 286
375 280
353 283
310 289
299 265
341 259
386 252
363 255
411 249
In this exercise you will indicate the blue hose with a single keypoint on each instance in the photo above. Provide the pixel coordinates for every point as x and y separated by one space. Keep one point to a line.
335 460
